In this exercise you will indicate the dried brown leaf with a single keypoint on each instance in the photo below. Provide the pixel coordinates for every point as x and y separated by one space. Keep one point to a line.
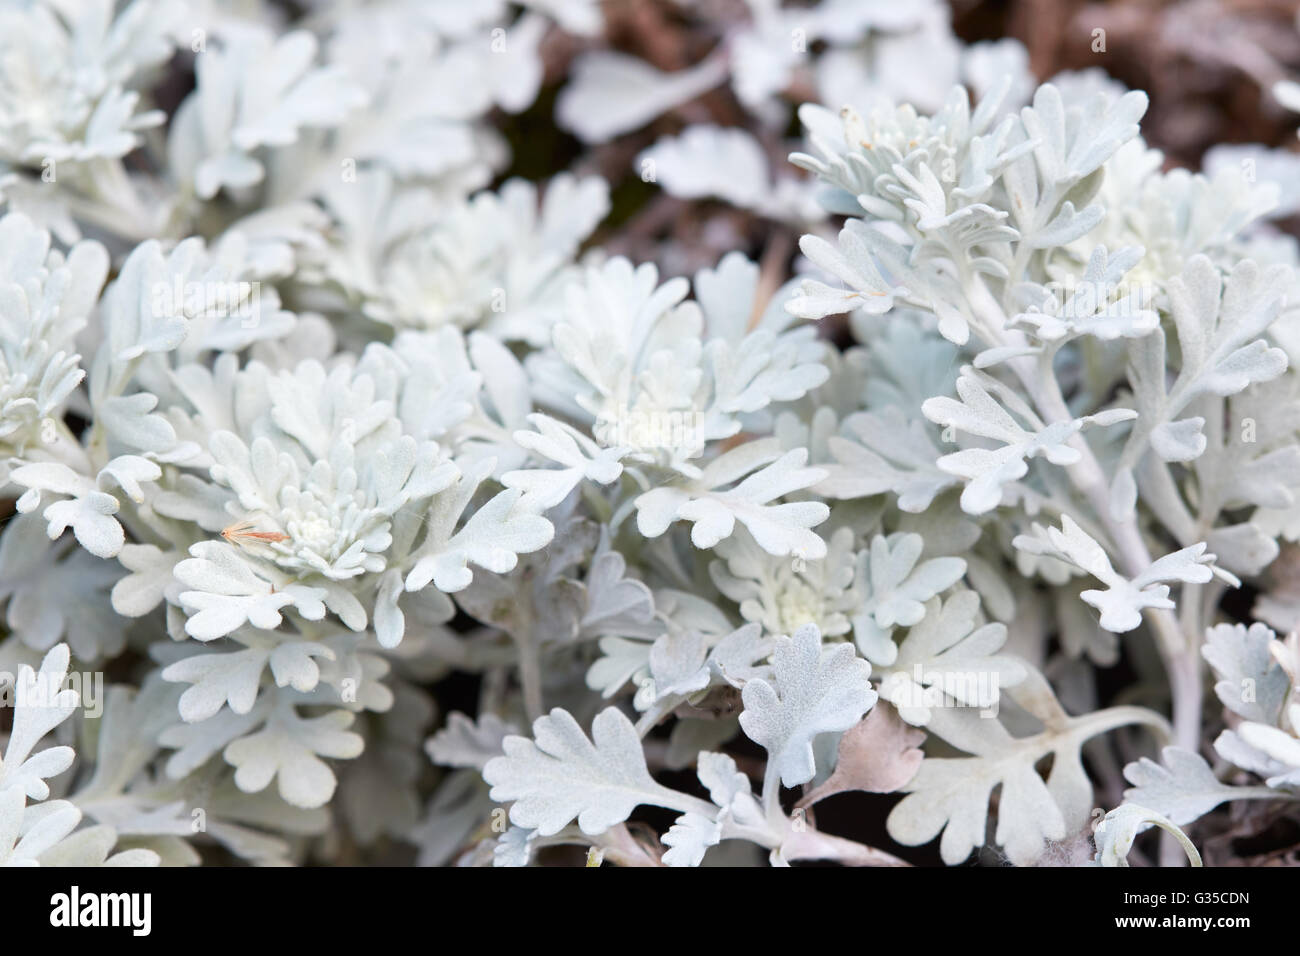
879 754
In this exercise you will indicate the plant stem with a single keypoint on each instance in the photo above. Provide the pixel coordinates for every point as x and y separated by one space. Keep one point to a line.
810 844
1176 648
621 848
530 677
1040 384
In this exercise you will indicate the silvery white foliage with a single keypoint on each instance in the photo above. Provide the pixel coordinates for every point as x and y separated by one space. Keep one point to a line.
67 74
908 54
1257 681
1251 683
330 472
940 654
1219 326
1271 167
885 451
611 93
1267 738
55 593
560 775
849 51
159 815
1119 828
40 706
684 665
148 311
990 268
727 163
618 602
498 261
41 832
318 484
811 692
254 90
853 263
979 413
468 392
159 309
1177 214
1267 480
339 481
1277 745
894 586
1122 602
729 789
987 62
47 298
87 510
1089 309
190 342
23 845
661 382
675 658
783 595
580 457
951 794
1182 786
289 749
928 178
761 475
431 74
630 353
466 743
411 127
356 413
